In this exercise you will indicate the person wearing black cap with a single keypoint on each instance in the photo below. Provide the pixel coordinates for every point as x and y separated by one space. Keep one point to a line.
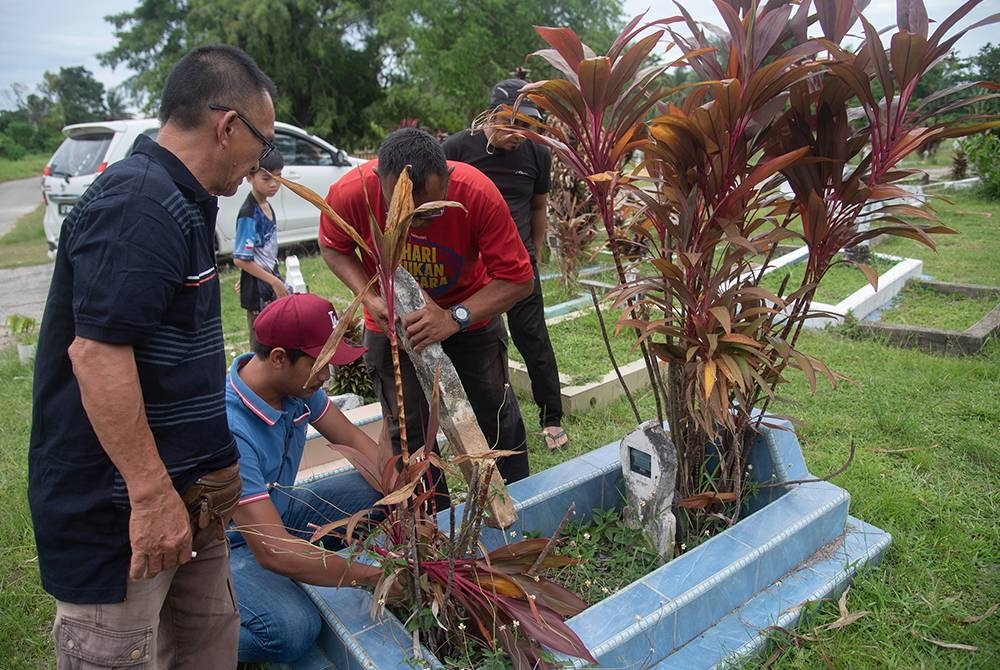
521 171
270 399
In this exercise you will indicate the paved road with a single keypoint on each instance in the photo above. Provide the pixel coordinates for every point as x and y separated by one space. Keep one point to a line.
22 290
16 199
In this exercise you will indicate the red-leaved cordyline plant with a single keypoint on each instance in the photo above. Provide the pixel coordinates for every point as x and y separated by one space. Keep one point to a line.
773 106
450 588
572 220
600 106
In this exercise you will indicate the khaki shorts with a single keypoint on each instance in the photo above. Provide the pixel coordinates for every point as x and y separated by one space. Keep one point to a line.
183 618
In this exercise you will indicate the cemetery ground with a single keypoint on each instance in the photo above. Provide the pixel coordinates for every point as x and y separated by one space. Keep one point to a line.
926 470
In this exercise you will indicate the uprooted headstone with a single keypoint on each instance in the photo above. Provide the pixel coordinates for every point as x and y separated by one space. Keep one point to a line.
457 419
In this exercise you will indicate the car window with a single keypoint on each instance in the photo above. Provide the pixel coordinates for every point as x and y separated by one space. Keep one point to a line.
300 151
80 155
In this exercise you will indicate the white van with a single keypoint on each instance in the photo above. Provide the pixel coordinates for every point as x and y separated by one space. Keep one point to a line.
89 148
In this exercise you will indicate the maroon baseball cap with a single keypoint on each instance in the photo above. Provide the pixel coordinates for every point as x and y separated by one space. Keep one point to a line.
303 321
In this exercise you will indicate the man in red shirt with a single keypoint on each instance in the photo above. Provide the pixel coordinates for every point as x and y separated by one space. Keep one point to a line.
471 263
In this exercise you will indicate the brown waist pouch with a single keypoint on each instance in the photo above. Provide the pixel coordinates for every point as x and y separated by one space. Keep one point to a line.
210 502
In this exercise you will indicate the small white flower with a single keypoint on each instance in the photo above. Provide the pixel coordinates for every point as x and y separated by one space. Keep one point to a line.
683 547
586 583
572 543
749 467
586 536
381 602
516 623
604 589
531 595
513 533
708 532
503 627
461 626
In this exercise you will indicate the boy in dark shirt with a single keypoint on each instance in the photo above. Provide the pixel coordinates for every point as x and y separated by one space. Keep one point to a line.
255 250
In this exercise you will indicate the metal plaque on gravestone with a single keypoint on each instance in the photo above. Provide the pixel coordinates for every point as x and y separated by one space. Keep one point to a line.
649 468
458 421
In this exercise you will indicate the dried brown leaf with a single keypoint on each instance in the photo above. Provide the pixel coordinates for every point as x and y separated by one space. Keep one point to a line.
846 617
319 203
703 500
343 325
949 645
977 619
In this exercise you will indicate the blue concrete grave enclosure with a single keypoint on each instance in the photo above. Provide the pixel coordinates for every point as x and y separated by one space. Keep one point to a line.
707 608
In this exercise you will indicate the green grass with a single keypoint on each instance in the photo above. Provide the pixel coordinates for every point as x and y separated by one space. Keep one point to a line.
555 291
920 306
29 166
939 497
839 282
26 611
579 351
926 471
25 243
968 257
612 554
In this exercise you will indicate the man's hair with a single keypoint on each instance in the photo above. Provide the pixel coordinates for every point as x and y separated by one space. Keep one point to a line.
216 74
264 350
273 162
416 148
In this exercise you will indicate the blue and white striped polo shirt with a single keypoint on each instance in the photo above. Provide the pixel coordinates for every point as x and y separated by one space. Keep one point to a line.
271 441
136 265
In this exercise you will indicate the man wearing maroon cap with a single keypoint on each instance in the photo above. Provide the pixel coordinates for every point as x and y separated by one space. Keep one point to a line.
269 405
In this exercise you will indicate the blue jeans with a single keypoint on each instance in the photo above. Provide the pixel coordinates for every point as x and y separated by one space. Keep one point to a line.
278 621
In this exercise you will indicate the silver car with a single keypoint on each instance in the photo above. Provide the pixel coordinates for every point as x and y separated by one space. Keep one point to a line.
89 148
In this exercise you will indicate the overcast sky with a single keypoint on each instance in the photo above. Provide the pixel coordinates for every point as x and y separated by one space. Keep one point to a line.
40 35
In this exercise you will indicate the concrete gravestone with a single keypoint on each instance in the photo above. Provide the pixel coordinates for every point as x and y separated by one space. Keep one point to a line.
649 467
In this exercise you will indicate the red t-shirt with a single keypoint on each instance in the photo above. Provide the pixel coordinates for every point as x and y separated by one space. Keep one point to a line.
454 256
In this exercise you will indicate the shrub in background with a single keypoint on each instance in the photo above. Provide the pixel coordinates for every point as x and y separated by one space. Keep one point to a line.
983 151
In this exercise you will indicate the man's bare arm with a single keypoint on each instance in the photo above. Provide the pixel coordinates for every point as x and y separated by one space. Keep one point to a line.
349 270
260 273
432 323
159 529
279 551
539 221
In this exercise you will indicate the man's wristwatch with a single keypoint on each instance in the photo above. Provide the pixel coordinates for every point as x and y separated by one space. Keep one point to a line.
461 315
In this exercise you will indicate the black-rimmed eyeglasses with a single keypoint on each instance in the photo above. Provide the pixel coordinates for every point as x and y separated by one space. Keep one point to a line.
267 146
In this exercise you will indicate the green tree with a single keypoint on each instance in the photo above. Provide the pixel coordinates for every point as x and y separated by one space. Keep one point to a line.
33 125
987 67
447 55
323 55
80 96
115 106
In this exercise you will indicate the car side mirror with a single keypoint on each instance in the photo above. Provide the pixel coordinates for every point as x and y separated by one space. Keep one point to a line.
342 159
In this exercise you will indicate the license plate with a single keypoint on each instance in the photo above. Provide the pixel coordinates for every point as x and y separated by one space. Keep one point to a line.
65 208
